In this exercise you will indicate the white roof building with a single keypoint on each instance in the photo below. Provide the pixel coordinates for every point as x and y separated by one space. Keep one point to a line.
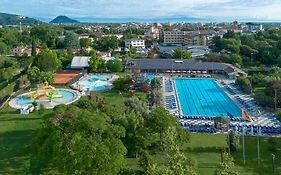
135 42
80 62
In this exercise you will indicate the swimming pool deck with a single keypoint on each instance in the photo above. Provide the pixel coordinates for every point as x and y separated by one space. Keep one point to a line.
261 117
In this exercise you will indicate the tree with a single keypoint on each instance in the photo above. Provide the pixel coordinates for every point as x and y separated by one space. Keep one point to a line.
160 121
96 62
85 42
47 76
156 83
33 74
79 141
33 51
236 59
107 43
233 141
122 84
71 40
4 49
47 60
182 54
245 84
114 65
226 167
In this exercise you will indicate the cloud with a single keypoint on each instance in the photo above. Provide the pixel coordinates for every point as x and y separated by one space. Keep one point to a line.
235 9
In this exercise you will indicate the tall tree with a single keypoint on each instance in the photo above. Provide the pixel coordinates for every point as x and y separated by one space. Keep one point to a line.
233 141
96 62
47 60
71 40
182 54
226 167
78 141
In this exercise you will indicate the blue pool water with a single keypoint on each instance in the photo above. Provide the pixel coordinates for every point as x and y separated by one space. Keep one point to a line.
204 97
99 77
97 83
67 97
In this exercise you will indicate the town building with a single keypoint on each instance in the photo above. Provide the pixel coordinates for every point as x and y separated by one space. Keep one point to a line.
135 43
252 27
190 38
22 50
199 38
152 32
174 37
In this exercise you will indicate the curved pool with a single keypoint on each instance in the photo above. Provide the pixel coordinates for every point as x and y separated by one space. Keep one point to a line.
96 83
69 96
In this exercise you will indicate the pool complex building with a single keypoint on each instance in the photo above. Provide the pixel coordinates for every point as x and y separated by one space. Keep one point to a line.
203 97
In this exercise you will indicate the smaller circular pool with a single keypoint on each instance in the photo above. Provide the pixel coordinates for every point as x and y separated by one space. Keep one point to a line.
95 83
68 96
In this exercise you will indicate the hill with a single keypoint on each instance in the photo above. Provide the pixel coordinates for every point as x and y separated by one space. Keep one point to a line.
11 19
63 20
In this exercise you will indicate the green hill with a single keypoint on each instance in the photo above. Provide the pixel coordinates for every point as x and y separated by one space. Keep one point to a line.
11 19
63 20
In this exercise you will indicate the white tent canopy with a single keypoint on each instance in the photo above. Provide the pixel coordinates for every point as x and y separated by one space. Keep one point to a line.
79 62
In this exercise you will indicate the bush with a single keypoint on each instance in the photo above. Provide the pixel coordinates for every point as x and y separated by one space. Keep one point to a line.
245 84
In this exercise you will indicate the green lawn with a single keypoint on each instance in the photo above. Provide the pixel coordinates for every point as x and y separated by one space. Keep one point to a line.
115 98
16 133
206 150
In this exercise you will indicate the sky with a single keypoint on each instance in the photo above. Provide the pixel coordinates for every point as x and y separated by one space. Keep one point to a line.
217 10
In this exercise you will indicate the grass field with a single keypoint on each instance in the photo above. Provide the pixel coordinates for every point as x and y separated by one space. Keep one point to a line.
17 131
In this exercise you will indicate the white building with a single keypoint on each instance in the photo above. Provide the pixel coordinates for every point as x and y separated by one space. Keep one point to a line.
19 50
135 42
252 27
80 62
152 32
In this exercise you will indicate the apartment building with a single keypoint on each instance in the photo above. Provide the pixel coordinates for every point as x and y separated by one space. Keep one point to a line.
191 38
252 27
174 37
199 38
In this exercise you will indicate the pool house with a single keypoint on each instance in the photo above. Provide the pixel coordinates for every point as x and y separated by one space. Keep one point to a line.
182 66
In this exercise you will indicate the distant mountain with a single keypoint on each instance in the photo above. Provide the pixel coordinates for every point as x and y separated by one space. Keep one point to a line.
11 19
141 19
63 20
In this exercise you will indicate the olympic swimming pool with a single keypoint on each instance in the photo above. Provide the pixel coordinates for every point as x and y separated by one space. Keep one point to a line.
203 97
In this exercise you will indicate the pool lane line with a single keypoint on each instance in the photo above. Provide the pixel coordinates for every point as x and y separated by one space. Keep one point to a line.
203 95
188 102
202 91
196 99
219 107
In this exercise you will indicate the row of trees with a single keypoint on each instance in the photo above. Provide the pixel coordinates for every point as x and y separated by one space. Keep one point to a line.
264 47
